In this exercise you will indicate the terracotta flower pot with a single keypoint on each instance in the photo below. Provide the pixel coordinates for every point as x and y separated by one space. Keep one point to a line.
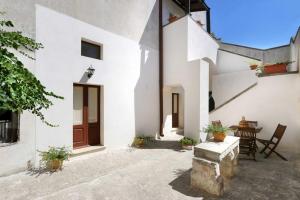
139 143
219 136
54 165
277 68
172 18
253 67
187 147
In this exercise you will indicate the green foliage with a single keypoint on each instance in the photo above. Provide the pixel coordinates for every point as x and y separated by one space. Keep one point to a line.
141 140
19 89
216 128
260 69
187 141
55 153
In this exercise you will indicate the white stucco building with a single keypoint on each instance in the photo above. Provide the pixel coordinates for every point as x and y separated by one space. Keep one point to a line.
119 40
154 64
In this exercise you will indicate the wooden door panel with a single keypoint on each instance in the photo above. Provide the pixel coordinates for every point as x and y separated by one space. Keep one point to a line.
175 120
94 115
86 115
79 138
94 134
175 110
80 128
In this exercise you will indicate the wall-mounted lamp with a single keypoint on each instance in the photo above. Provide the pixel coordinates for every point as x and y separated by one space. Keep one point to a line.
90 71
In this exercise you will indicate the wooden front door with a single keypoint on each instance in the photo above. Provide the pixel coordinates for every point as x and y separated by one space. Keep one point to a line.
86 115
175 110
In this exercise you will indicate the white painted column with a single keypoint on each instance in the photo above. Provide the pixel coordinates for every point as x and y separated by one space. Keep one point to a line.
204 97
191 113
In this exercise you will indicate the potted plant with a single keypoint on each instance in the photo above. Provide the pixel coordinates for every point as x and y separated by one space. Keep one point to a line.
219 132
54 157
139 141
187 143
253 66
259 70
276 68
172 18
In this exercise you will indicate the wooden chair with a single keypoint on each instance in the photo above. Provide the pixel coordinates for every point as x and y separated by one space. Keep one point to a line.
273 142
216 123
252 123
247 140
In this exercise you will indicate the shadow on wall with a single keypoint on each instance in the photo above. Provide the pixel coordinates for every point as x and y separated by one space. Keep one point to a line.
146 92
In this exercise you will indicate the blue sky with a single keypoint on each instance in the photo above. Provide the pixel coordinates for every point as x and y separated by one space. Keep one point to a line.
255 23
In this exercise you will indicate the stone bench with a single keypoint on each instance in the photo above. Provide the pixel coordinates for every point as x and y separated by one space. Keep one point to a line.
212 162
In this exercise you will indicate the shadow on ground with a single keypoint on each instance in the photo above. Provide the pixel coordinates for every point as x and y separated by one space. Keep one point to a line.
40 171
164 144
263 179
182 184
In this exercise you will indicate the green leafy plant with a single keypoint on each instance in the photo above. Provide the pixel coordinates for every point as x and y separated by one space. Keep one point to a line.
216 129
187 141
55 153
141 140
260 69
19 89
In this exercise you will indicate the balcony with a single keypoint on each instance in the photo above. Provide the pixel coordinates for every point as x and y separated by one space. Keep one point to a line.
186 41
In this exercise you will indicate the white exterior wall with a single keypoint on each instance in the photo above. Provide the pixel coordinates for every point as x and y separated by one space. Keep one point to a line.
228 85
123 17
229 62
293 57
18 156
295 53
274 100
268 56
277 55
185 44
200 16
247 51
128 74
204 96
169 7
200 43
231 76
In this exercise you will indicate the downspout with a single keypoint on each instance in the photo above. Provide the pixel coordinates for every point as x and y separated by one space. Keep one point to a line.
208 20
161 82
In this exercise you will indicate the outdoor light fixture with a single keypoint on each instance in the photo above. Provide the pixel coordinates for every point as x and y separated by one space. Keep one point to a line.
90 71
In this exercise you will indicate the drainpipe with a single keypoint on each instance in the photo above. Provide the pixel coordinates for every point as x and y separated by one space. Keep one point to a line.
208 20
161 82
188 7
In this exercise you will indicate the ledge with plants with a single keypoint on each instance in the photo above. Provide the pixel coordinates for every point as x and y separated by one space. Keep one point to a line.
266 69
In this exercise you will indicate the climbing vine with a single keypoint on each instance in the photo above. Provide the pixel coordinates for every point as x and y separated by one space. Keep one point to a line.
19 89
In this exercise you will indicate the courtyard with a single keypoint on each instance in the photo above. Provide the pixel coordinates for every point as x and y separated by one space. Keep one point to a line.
160 171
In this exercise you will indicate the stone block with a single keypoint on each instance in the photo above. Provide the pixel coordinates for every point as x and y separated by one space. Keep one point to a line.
206 175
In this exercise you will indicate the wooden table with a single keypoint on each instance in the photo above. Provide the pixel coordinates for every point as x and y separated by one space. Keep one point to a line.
257 130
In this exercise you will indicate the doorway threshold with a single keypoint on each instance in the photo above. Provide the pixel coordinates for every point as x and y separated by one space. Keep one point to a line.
86 150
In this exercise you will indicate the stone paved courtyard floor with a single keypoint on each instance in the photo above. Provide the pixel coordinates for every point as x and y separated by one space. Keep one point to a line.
161 171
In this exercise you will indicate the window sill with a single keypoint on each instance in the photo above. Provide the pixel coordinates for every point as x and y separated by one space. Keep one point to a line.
7 144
